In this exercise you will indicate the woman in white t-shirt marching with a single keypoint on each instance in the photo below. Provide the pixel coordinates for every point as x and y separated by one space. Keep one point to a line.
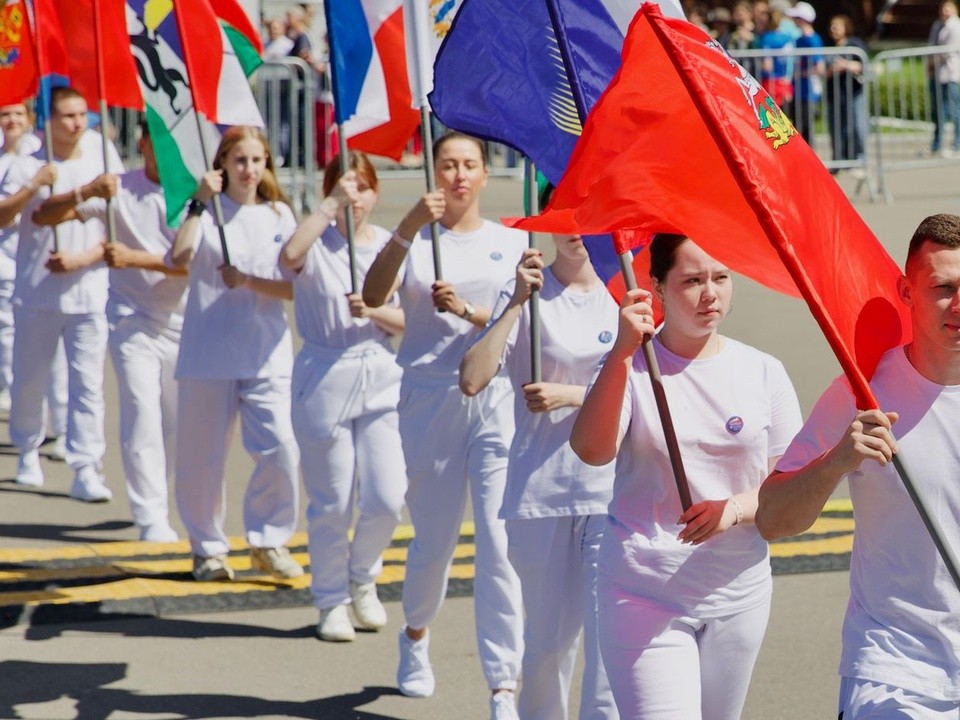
684 596
236 356
346 384
452 443
555 506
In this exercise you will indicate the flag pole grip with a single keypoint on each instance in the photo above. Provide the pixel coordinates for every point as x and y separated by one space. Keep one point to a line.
348 212
427 134
660 395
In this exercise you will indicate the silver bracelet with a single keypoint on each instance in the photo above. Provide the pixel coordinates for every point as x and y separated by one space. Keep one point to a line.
738 510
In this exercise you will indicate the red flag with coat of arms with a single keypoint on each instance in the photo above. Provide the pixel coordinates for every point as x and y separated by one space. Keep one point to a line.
685 141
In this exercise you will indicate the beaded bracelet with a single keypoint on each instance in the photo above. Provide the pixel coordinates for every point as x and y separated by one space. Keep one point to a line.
738 510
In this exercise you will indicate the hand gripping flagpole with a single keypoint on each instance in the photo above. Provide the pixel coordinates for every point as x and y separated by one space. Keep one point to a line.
533 207
102 96
659 393
217 205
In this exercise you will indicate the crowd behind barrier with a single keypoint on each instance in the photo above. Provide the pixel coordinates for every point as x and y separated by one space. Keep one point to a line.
867 124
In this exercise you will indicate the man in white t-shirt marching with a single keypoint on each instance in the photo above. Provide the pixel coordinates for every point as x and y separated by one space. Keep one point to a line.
901 633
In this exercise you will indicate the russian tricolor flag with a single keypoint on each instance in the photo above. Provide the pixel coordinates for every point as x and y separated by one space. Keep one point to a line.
371 90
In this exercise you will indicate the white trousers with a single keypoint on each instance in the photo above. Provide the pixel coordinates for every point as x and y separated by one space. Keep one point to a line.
663 665
35 347
345 419
207 412
866 700
144 358
452 443
556 559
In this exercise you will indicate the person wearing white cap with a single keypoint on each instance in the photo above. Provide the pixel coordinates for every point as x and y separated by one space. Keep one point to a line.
810 68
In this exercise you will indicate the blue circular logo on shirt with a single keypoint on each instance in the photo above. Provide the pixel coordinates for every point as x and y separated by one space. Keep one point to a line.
605 337
278 239
496 255
735 424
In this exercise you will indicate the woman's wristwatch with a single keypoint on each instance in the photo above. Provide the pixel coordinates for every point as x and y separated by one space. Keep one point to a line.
468 311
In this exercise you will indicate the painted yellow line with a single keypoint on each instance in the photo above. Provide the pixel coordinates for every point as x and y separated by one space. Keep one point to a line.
831 546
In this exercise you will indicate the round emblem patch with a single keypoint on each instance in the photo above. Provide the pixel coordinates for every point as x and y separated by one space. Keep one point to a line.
735 424
496 255
278 239
605 337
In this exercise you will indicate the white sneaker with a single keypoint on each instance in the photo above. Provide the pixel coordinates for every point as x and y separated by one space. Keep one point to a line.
58 451
29 472
5 402
414 674
334 625
276 562
89 486
160 532
503 706
367 609
211 569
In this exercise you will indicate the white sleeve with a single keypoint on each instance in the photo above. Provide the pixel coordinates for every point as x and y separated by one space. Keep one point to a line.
93 208
785 416
832 414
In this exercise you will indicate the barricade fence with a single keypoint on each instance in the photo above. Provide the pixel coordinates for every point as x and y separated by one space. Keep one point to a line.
867 117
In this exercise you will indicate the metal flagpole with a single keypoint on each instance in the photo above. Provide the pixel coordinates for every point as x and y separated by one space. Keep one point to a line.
348 212
533 207
101 92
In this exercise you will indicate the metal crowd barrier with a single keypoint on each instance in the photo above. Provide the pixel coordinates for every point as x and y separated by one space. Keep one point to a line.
909 105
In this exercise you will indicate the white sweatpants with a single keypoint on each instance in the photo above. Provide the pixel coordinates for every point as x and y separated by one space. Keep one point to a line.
85 344
207 411
58 392
663 665
144 358
556 559
344 412
867 700
451 443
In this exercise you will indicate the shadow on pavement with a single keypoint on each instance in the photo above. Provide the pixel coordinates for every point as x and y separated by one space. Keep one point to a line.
31 683
53 532
152 627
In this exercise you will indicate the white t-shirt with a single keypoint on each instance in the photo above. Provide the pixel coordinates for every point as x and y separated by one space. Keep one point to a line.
82 291
237 333
948 34
320 290
545 478
902 625
140 212
478 264
9 235
732 412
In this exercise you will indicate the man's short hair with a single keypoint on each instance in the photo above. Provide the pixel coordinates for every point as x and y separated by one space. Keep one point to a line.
942 229
59 94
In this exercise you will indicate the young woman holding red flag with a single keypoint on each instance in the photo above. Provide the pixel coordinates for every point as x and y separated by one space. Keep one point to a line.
451 443
684 594
346 385
236 356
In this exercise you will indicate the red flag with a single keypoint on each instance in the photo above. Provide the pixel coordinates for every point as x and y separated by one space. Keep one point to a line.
19 76
684 140
234 15
120 74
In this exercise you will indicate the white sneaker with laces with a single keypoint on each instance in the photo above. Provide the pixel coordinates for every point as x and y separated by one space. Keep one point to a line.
58 451
160 532
29 472
211 569
414 674
335 626
276 562
89 486
368 611
503 706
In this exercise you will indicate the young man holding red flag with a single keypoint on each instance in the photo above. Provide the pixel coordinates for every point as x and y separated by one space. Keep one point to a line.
901 633
61 291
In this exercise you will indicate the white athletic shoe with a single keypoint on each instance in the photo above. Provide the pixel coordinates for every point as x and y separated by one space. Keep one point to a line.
5 401
160 532
211 569
29 472
89 486
58 451
276 562
414 674
334 625
503 706
367 609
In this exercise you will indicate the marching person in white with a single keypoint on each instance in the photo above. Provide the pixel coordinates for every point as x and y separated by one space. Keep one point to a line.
555 505
236 355
346 384
17 140
684 595
901 632
145 316
452 443
61 295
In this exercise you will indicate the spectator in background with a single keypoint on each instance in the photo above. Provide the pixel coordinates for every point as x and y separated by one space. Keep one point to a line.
297 29
277 84
775 75
944 77
742 37
761 20
697 14
721 23
810 69
846 104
